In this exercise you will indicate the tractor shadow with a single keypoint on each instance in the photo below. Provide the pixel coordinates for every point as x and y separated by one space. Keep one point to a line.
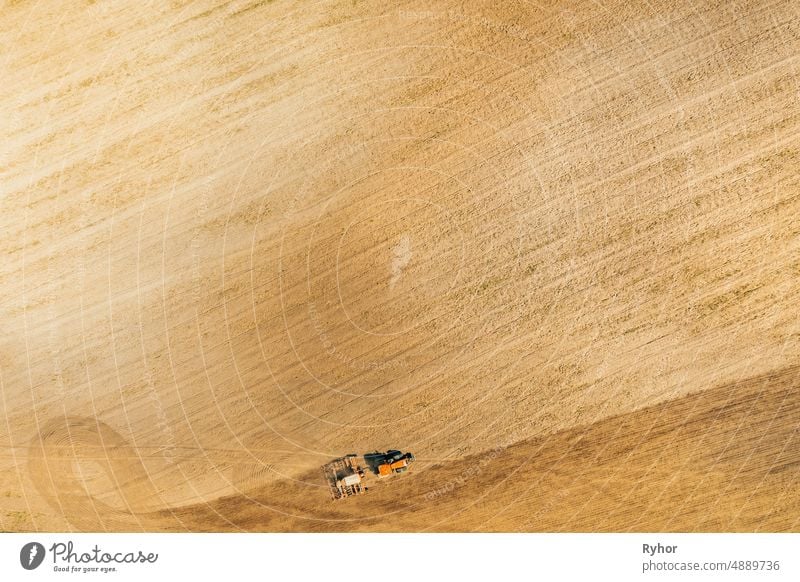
373 461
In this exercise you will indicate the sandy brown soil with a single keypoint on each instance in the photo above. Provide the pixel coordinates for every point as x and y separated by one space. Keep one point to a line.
557 243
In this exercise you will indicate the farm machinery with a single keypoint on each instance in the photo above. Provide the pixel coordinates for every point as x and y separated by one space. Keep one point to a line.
347 476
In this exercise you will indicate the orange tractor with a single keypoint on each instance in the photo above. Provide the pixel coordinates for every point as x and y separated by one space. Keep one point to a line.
394 462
